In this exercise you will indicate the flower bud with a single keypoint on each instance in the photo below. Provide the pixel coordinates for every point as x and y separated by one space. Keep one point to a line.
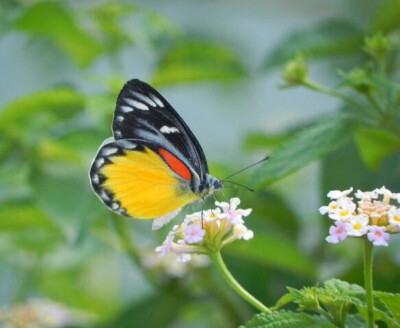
378 45
295 71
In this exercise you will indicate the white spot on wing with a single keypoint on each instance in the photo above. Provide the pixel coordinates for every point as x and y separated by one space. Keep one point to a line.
127 144
126 109
143 98
163 220
136 104
109 151
104 196
118 133
114 206
119 118
95 179
168 130
156 100
99 162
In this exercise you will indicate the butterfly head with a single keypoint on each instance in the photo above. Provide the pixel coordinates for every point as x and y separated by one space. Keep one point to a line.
209 186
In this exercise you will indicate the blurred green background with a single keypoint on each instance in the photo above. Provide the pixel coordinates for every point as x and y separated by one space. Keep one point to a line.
219 64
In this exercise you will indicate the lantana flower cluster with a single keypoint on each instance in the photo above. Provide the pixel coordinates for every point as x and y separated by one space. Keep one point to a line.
207 231
371 214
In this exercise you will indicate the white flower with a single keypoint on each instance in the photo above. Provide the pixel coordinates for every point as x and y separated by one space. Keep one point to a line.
385 192
213 214
345 209
336 194
242 232
394 217
331 208
366 194
374 215
207 231
357 225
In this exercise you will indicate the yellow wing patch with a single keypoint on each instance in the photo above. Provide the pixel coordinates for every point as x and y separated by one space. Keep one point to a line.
144 185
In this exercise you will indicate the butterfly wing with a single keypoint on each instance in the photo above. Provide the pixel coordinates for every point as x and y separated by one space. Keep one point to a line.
141 179
142 113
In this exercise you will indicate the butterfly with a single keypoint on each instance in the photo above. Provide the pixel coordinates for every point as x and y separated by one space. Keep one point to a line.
153 164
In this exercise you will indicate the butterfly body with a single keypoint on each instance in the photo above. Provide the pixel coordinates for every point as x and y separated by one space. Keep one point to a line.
153 165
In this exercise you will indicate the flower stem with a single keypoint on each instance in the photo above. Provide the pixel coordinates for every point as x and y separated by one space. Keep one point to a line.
223 270
368 259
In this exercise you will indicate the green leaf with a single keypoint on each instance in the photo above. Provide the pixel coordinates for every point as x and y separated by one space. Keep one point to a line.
39 110
375 145
107 18
387 17
55 21
24 216
261 140
196 61
156 311
328 39
271 213
273 252
75 212
286 319
309 144
392 303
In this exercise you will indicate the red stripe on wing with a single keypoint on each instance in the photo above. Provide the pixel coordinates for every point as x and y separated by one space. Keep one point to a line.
175 164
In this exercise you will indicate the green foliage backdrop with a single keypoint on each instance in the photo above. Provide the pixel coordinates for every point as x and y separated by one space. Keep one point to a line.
58 242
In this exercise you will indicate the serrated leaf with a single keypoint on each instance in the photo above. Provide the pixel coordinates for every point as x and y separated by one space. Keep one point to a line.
327 39
375 145
40 110
285 319
309 144
274 252
55 21
387 17
196 61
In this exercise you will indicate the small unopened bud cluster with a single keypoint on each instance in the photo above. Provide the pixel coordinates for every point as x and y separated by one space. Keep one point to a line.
207 231
375 215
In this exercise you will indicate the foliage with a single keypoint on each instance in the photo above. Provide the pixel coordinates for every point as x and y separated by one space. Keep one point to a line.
329 306
58 242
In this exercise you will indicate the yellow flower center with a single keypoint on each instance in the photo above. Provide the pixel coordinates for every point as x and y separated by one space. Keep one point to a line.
333 206
344 213
357 226
396 218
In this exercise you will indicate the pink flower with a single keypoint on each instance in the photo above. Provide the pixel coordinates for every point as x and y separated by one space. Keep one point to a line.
166 246
378 236
337 233
233 215
194 233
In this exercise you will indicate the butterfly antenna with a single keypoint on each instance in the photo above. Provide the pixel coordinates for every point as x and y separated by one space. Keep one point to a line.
244 169
240 185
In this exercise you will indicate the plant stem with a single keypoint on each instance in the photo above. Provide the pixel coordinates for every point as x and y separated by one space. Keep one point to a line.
368 259
223 270
313 86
